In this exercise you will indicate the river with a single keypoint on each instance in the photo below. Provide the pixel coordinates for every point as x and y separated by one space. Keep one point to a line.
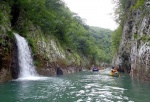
83 86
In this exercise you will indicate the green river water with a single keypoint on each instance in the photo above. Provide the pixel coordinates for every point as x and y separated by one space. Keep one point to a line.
84 86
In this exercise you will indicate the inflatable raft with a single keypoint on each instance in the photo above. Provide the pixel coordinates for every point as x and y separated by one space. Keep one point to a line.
114 74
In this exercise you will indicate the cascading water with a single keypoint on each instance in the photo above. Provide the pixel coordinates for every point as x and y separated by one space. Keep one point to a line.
27 69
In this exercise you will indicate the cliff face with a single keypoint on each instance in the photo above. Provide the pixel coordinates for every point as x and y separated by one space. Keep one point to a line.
134 51
50 57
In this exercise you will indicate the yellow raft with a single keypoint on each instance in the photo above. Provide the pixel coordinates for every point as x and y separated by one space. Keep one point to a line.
114 74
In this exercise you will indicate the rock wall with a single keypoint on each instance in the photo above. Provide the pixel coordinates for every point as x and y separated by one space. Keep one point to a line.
133 55
49 55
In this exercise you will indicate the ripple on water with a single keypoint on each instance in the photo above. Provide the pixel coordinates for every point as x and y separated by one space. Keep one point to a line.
89 87
95 90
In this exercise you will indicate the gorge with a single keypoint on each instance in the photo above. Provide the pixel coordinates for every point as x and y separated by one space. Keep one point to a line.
62 46
46 53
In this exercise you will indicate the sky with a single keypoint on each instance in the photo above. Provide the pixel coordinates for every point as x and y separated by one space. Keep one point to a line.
96 12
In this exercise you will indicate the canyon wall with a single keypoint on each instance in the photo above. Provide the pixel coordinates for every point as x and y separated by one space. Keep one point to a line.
133 55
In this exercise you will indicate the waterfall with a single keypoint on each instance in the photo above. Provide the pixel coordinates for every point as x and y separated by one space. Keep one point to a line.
25 61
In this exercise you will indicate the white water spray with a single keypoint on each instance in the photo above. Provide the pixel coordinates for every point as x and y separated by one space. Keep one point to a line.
27 69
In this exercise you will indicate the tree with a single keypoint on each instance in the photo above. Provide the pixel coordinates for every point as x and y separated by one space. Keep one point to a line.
115 39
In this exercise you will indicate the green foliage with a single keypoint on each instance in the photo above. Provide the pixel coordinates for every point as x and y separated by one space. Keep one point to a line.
102 40
53 17
31 43
125 7
93 42
121 10
116 38
37 12
145 38
135 36
36 63
10 34
139 3
1 17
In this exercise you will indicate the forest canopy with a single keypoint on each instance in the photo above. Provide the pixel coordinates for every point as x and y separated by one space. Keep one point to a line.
55 18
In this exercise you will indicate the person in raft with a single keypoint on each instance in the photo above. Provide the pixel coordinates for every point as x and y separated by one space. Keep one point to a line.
114 71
